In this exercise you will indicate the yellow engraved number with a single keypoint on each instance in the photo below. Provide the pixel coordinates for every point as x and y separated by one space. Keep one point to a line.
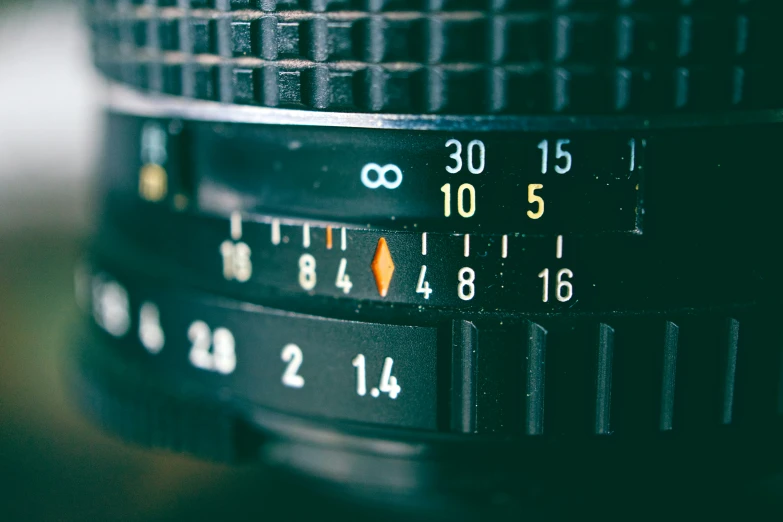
533 198
152 182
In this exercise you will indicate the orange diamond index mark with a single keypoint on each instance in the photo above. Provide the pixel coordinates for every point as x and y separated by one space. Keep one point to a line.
382 267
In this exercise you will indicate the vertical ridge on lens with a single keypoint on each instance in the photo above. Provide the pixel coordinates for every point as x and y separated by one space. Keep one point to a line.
603 379
729 370
668 374
464 363
534 379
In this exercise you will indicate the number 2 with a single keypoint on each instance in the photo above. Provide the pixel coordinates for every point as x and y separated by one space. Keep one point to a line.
292 354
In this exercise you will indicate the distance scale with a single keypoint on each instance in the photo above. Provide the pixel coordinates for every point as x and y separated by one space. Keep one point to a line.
501 183
192 209
216 228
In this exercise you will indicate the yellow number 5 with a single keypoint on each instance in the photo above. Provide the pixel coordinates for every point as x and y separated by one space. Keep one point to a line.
532 198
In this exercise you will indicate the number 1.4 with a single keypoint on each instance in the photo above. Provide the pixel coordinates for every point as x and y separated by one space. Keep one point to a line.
388 382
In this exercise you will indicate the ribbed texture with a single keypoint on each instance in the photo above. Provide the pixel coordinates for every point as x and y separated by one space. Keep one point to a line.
535 373
668 374
630 376
450 56
464 380
149 418
603 379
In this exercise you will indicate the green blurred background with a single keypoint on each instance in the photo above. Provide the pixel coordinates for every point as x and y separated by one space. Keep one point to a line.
54 465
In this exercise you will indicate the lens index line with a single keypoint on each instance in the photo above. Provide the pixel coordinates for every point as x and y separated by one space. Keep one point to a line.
306 235
343 239
236 225
275 231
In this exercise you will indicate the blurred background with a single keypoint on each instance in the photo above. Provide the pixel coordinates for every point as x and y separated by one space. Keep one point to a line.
54 465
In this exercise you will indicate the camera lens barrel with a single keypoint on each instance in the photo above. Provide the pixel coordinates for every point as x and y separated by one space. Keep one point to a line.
470 244
449 57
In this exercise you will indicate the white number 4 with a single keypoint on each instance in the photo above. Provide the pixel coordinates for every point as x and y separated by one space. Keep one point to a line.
343 281
423 287
388 381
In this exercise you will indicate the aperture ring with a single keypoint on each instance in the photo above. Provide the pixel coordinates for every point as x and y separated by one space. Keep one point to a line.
556 377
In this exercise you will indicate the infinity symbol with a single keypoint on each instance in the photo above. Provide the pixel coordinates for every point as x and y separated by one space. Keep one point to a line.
381 180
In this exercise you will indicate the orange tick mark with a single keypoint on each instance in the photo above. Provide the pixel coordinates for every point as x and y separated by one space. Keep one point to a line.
382 267
328 238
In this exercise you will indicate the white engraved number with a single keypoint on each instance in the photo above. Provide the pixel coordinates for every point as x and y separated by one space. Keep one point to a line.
477 153
423 287
222 356
307 277
564 290
236 261
343 281
380 176
361 375
110 306
292 354
456 156
482 153
388 383
560 153
150 331
466 288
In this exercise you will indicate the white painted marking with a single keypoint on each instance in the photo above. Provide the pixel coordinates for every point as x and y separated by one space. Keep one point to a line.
375 392
343 240
504 247
275 231
559 247
467 245
236 225
424 244
306 235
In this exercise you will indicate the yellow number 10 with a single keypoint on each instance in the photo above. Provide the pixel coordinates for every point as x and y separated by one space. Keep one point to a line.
466 206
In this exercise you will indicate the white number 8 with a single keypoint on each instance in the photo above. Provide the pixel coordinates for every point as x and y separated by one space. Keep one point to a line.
307 277
466 288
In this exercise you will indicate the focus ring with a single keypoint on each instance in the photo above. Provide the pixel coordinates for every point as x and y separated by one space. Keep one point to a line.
468 58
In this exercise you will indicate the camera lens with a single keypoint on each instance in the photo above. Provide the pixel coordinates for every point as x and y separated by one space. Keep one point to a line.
442 249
